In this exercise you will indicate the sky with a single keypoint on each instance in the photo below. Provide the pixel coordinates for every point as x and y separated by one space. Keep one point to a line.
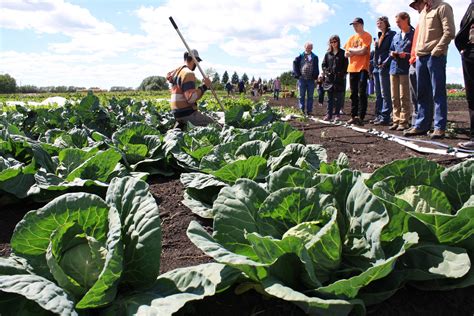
102 43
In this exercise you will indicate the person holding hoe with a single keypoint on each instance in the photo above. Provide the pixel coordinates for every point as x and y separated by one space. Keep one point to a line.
184 93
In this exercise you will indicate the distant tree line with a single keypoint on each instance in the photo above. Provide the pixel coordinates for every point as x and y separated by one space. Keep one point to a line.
153 83
450 86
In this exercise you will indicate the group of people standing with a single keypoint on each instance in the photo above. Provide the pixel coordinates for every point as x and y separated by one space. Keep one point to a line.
408 65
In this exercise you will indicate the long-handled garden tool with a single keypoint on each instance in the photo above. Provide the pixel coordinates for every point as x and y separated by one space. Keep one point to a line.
195 61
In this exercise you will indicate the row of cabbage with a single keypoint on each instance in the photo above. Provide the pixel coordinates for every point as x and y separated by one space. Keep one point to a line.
86 252
332 242
108 115
85 159
337 240
286 223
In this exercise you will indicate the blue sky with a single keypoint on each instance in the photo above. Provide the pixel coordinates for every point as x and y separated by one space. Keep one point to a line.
119 43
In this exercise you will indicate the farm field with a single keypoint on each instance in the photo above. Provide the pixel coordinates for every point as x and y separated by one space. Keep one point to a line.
363 152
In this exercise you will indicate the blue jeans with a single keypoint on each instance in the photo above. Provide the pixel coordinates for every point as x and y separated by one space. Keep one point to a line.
383 96
431 85
413 97
335 98
306 88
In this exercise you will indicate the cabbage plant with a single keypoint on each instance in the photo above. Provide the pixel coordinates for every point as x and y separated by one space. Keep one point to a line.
438 203
75 252
141 146
335 242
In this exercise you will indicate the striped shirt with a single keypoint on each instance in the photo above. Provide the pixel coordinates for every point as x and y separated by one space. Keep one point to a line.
184 93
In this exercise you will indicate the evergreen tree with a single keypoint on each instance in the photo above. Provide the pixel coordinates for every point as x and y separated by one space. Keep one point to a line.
245 78
225 77
216 79
253 78
235 78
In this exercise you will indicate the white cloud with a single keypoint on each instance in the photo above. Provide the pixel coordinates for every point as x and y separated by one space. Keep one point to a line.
242 29
85 32
264 34
454 75
260 36
390 8
50 16
72 70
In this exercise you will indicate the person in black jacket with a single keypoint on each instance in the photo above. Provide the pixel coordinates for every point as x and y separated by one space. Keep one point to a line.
306 70
465 44
334 70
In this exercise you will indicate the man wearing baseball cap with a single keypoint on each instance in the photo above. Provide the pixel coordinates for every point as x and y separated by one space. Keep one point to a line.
436 30
358 51
184 93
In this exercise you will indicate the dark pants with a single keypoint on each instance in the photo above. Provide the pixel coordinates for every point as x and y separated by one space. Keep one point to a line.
358 84
468 71
276 94
335 102
321 92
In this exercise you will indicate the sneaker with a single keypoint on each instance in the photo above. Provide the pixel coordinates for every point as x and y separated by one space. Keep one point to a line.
327 118
414 132
467 145
382 123
374 121
402 127
337 118
437 134
341 112
353 120
394 127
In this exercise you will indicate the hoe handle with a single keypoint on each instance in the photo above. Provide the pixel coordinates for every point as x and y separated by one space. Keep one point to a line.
195 61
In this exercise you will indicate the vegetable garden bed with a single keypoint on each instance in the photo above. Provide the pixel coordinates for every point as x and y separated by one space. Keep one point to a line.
275 155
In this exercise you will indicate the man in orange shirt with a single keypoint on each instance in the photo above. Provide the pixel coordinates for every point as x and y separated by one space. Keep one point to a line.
358 51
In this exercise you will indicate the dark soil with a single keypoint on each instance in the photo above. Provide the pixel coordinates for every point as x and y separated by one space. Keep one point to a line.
178 251
365 152
10 216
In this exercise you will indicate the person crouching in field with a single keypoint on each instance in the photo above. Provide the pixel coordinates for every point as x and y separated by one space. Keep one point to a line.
399 82
335 70
184 93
